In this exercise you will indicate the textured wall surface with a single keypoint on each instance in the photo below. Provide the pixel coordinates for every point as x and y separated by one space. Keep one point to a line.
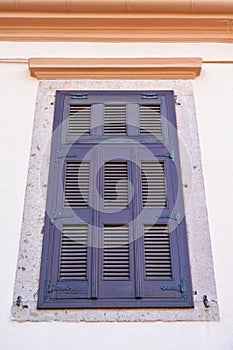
214 109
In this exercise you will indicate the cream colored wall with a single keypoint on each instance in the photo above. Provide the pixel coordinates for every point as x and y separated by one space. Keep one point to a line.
213 93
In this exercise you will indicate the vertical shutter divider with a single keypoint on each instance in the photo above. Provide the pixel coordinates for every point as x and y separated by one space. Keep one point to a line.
132 119
137 239
95 228
97 119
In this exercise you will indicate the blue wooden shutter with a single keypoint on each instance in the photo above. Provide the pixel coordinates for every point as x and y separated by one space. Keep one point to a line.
114 233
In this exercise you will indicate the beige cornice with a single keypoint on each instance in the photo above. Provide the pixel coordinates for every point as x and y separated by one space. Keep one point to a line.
123 6
115 68
117 20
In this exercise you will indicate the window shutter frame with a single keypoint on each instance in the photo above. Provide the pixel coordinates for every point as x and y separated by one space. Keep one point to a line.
94 292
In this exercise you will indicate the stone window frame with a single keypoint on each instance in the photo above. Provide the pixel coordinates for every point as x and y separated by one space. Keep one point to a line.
28 268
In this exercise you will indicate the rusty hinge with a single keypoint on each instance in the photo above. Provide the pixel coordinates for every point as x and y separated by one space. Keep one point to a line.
50 288
54 216
60 155
170 155
175 216
182 288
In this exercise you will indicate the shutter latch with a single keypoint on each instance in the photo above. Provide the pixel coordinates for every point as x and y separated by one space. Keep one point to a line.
149 95
182 288
54 216
79 95
50 288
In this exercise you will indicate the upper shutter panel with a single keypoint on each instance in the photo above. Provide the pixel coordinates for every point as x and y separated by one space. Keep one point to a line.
157 252
153 185
79 120
76 184
150 120
116 259
115 120
73 254
115 185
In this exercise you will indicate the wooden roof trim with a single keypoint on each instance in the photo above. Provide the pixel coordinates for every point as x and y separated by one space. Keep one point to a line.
114 68
123 6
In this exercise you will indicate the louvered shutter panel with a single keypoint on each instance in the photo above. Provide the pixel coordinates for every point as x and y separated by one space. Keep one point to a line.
115 184
150 120
76 184
113 236
153 185
116 254
73 256
157 252
115 120
116 259
79 120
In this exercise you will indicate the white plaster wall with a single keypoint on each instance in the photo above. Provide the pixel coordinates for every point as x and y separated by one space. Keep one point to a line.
214 95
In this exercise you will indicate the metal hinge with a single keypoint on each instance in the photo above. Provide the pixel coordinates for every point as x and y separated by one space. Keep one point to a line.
182 288
149 95
175 216
170 155
79 95
59 215
59 155
50 288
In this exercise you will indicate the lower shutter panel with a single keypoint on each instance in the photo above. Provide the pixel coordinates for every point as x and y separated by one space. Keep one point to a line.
73 255
157 252
116 259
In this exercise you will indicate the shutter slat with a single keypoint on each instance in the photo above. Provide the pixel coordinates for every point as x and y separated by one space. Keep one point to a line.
154 192
116 252
115 185
115 120
157 255
150 120
73 253
79 120
76 184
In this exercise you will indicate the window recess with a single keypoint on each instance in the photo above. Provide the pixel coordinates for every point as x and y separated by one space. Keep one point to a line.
117 237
